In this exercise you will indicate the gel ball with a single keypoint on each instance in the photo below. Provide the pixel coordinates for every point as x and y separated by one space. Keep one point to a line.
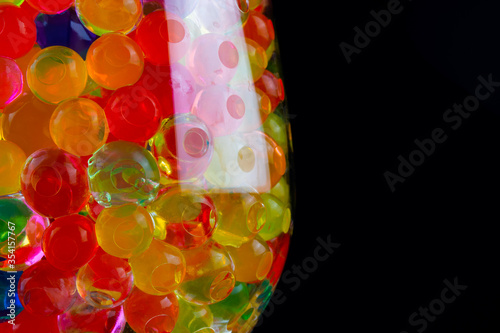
278 217
183 146
102 17
50 6
115 60
79 126
45 290
27 322
220 108
26 123
123 172
82 318
70 242
11 81
242 214
133 114
18 33
159 270
54 183
105 282
163 37
193 318
184 216
57 73
252 260
272 86
259 28
124 231
212 59
211 277
12 160
180 8
150 313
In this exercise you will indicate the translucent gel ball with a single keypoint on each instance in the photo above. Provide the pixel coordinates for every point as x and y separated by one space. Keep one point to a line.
184 216
160 269
133 114
115 60
124 231
70 242
150 313
210 274
105 282
18 33
164 37
212 59
46 291
79 126
102 17
252 260
123 172
183 146
26 123
12 159
57 73
14 216
11 81
54 183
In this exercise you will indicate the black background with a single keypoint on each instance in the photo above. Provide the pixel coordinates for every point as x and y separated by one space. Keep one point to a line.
350 122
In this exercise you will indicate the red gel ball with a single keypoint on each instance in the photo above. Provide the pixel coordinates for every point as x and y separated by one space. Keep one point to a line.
174 86
45 290
17 31
51 6
133 114
54 183
272 87
163 37
148 313
279 247
69 242
11 81
259 28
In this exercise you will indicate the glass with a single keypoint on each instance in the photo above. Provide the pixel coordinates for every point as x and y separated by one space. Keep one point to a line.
145 165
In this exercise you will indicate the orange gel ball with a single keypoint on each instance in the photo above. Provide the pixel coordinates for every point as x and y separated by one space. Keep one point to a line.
115 60
149 313
57 73
12 160
124 231
105 16
26 123
259 28
252 260
79 126
160 269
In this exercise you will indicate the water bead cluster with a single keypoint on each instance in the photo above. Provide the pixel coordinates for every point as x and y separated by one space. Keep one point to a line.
143 165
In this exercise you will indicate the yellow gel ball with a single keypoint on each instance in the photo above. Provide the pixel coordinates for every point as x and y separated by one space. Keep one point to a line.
103 16
124 231
115 60
12 160
241 215
160 269
57 73
79 126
